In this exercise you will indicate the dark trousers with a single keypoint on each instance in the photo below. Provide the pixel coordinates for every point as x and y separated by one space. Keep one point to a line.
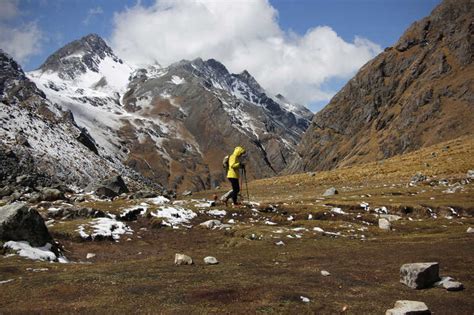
235 189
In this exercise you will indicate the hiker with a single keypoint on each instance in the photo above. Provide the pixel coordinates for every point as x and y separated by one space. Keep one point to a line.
235 164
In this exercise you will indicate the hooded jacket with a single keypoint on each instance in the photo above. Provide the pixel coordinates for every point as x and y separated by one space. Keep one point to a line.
234 164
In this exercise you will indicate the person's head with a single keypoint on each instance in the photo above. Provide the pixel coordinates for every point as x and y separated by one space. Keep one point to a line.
238 151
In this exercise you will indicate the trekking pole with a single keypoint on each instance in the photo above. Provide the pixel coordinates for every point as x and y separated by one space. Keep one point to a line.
246 185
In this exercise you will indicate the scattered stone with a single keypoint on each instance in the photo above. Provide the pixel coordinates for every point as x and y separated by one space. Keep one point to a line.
418 178
330 192
470 230
390 217
90 255
385 224
419 275
470 174
325 273
209 260
187 193
211 224
144 194
280 243
181 259
304 299
406 307
449 284
18 222
52 194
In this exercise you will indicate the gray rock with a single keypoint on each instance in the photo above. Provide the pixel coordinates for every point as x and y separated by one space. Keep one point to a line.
405 307
419 275
6 191
110 187
418 178
330 192
470 174
181 259
211 224
384 224
325 273
209 260
52 194
470 230
390 217
18 222
449 284
90 255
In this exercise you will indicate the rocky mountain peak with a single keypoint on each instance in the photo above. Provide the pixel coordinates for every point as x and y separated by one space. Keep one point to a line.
78 57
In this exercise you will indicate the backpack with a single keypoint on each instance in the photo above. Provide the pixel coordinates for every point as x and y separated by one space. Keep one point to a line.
225 162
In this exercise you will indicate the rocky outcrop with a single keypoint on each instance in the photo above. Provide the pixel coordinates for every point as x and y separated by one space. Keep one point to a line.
414 94
419 275
18 222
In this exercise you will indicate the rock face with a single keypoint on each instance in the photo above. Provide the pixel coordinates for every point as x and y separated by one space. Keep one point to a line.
419 275
414 94
172 125
405 307
18 222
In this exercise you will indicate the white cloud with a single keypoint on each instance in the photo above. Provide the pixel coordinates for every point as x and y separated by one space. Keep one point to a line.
242 35
9 9
22 40
91 14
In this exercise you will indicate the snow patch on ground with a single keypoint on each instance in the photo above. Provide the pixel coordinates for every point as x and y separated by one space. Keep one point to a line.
217 213
174 216
24 249
104 228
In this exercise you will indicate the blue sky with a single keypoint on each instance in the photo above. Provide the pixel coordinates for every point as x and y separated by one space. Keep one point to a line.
54 23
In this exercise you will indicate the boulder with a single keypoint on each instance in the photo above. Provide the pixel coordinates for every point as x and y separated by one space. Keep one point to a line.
110 187
18 222
52 194
406 307
330 192
385 224
209 260
419 275
181 259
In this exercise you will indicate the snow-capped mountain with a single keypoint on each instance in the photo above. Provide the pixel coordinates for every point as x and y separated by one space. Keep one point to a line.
33 127
174 124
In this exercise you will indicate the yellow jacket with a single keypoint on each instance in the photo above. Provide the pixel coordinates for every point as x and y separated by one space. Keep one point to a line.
234 165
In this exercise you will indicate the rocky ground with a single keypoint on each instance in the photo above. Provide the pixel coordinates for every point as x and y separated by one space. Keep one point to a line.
296 245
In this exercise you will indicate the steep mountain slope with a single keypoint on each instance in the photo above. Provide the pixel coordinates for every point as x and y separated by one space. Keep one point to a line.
415 94
33 128
174 124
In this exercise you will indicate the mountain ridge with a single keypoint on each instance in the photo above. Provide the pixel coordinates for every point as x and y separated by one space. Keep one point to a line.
414 94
